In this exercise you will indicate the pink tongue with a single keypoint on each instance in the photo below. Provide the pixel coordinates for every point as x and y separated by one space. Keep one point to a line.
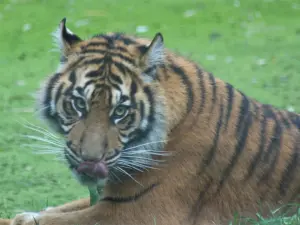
94 169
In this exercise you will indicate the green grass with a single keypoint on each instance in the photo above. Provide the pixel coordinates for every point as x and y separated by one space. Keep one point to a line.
253 44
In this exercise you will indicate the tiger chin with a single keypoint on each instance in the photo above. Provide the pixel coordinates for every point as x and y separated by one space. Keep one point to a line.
172 143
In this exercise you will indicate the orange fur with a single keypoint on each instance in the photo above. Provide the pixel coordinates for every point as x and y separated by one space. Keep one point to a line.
229 153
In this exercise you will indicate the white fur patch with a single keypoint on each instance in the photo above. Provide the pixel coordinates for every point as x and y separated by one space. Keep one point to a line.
48 208
58 38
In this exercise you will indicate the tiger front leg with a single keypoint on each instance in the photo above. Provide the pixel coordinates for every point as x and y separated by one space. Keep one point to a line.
70 206
88 216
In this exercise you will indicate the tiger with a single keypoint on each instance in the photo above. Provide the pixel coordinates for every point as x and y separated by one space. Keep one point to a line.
169 142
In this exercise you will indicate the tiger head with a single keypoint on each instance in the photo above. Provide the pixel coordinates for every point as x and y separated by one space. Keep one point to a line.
106 101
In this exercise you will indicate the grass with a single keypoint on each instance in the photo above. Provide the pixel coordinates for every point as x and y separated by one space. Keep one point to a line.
253 44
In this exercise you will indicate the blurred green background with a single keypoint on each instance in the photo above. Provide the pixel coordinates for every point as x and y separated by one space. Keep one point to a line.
252 44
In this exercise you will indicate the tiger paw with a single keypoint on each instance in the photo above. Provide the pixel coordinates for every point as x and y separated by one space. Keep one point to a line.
27 218
5 222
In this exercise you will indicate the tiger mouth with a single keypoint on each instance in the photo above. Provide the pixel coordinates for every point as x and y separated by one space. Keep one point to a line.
92 169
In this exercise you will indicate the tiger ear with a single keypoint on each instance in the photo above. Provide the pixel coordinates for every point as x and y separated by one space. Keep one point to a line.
153 55
64 38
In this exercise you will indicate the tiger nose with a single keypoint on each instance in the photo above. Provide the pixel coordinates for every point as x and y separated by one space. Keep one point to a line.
94 157
90 154
94 152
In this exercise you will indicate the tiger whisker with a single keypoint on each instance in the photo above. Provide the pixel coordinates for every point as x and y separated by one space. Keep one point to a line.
41 109
143 158
56 143
115 176
46 133
153 142
139 164
125 165
45 152
146 151
123 171
41 146
41 130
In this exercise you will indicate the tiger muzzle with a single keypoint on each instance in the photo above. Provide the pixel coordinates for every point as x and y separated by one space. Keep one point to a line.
96 169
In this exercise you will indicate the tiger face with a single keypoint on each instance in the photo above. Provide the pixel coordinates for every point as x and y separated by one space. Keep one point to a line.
102 100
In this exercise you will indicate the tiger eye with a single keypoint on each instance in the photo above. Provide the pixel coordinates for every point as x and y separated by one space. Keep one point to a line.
79 103
120 111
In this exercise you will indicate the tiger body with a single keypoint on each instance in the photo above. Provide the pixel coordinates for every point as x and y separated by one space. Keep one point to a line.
228 153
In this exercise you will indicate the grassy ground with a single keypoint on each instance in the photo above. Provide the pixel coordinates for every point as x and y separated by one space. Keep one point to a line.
253 44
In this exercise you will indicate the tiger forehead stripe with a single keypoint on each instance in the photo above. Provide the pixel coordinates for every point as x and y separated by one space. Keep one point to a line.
111 54
108 47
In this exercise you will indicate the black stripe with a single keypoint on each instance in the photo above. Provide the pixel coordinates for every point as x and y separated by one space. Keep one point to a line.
97 61
116 86
284 119
88 83
214 90
124 98
200 202
129 198
76 63
117 37
244 110
230 92
274 147
130 122
122 49
133 88
257 157
208 159
142 110
128 41
72 79
295 118
115 78
50 86
112 54
268 111
267 114
150 72
241 143
289 173
124 69
142 49
80 91
98 51
123 135
95 44
188 86
123 57
94 73
58 93
110 96
48 97
202 89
